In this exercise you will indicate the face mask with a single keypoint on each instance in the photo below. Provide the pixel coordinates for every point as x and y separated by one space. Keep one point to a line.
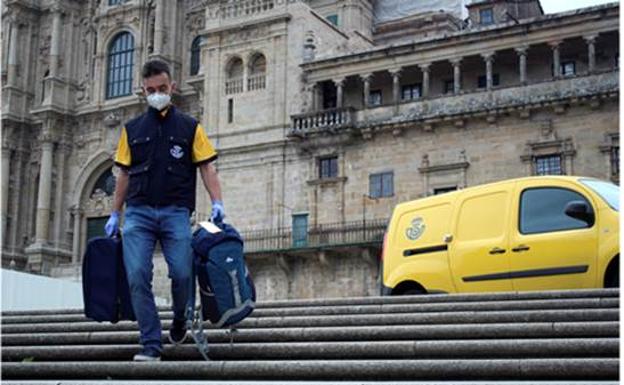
158 100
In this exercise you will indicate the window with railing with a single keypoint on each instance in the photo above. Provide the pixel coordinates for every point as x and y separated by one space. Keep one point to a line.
257 73
548 165
116 2
300 230
234 76
120 65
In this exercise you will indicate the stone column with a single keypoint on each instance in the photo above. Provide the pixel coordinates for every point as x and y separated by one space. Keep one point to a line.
6 169
396 85
318 97
489 61
58 209
556 59
55 43
339 92
366 79
522 62
159 28
77 213
591 53
314 105
13 58
18 193
45 183
456 63
425 68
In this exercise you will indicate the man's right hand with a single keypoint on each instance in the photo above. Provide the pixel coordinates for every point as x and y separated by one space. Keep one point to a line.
112 226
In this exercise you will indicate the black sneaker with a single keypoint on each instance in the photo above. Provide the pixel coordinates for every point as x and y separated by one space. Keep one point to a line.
177 332
147 354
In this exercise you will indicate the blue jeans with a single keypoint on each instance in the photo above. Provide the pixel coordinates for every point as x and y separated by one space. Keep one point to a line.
144 225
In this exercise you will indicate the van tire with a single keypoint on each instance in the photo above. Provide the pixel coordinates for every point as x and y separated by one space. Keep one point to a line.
409 288
612 275
413 292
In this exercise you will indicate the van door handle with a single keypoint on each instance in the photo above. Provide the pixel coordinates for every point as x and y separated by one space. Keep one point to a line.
520 248
497 250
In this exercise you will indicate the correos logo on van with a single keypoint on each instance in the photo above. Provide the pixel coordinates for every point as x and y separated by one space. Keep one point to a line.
416 230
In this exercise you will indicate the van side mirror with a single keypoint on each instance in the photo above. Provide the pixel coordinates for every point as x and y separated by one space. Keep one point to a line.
580 210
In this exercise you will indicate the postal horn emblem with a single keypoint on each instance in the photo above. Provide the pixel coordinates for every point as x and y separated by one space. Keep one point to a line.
176 152
416 229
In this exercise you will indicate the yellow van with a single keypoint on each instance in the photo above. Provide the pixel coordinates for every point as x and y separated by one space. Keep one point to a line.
536 233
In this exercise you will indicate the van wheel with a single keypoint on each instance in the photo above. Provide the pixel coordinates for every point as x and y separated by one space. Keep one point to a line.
612 278
413 292
409 288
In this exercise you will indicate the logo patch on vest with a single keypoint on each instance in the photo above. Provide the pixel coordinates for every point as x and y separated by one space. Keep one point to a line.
176 152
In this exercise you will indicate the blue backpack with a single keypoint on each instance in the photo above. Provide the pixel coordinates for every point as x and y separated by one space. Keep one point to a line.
227 292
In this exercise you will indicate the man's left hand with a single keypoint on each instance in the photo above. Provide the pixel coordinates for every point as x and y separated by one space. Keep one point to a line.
218 212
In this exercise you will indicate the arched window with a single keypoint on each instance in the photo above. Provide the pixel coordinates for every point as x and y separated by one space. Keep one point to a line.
105 183
120 63
234 76
195 58
257 73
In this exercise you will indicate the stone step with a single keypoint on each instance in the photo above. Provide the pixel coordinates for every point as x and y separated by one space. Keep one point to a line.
571 303
565 315
446 349
347 333
472 297
280 382
325 370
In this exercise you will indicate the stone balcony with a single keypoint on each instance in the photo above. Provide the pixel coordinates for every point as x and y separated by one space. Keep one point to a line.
556 93
331 120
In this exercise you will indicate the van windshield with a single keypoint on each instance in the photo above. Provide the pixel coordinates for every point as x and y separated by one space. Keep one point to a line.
608 191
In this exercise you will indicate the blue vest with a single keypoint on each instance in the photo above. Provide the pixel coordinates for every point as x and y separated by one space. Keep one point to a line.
161 171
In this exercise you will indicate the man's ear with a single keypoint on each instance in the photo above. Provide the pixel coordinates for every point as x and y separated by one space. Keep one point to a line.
143 91
173 86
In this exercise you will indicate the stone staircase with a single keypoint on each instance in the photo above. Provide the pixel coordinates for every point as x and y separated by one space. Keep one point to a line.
530 337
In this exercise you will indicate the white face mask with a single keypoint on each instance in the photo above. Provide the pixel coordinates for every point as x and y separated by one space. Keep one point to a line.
158 100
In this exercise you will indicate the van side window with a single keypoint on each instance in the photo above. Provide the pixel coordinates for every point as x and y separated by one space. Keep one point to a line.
542 210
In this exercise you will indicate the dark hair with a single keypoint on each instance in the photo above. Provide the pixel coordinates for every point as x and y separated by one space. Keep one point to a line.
155 67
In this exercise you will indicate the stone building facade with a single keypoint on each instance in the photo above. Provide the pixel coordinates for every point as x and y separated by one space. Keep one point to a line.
323 116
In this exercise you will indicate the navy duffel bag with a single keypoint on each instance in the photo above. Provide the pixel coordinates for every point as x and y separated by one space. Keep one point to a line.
105 290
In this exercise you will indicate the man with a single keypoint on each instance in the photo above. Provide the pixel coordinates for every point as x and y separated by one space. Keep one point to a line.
158 153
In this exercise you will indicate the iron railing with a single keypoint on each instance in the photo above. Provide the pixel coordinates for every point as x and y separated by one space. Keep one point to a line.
321 236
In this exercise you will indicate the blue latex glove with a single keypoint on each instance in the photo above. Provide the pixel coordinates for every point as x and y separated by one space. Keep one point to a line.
112 226
218 212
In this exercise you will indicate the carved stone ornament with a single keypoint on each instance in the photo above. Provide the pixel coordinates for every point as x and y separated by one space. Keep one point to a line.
112 119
